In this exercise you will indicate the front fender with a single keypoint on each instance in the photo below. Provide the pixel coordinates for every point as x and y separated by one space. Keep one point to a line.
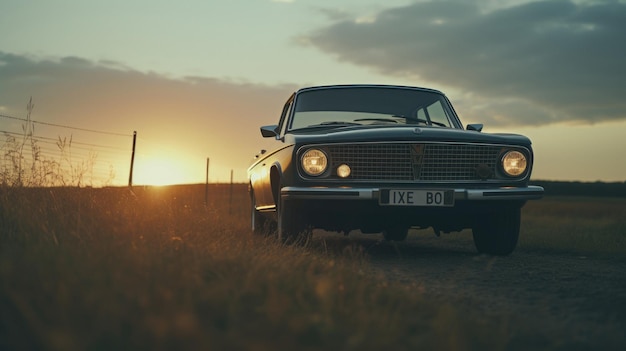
269 174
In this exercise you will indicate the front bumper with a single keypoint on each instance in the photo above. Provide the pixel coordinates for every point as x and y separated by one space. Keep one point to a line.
531 192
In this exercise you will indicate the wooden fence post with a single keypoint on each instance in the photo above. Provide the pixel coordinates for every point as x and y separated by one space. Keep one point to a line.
230 196
206 187
132 160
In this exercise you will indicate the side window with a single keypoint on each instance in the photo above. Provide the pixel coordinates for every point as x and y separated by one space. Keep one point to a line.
421 114
284 117
437 114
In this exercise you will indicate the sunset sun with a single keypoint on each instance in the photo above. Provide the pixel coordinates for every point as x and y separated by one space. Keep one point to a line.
159 171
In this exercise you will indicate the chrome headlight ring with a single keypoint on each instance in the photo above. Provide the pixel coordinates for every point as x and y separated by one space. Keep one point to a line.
514 163
314 162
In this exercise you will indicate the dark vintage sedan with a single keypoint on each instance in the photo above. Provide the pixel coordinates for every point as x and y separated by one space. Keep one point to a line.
384 159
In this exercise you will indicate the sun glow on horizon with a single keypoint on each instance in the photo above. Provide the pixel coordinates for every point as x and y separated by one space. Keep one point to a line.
160 171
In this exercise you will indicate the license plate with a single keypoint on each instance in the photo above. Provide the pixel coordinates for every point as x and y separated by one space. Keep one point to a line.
399 197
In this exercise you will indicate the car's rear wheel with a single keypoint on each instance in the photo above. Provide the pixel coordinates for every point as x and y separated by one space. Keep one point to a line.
396 233
291 227
498 234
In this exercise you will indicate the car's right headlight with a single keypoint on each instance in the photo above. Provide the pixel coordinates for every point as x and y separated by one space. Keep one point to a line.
314 162
514 163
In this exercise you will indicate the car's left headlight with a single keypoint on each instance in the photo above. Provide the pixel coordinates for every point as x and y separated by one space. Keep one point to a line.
314 162
514 163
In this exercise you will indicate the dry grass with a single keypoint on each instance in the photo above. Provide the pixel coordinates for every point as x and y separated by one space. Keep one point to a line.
156 269
108 269
581 225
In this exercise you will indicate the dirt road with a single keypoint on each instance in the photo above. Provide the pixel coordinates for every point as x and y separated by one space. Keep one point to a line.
547 300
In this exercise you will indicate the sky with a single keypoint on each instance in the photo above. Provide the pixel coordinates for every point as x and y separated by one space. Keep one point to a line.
196 79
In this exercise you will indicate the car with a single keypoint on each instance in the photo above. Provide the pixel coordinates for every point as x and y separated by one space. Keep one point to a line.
385 159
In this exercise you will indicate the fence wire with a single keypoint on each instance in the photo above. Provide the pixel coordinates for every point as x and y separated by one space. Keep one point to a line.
61 155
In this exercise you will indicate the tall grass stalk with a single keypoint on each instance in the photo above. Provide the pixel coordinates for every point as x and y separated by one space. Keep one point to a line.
24 164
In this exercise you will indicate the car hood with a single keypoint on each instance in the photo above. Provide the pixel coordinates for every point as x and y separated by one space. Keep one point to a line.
401 133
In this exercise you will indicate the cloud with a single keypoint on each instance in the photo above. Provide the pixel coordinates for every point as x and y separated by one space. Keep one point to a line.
196 117
334 14
530 63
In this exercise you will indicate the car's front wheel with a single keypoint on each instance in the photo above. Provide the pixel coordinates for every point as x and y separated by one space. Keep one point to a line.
498 234
291 226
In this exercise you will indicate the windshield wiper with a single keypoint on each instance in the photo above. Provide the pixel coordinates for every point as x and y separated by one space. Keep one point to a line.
329 124
376 120
419 120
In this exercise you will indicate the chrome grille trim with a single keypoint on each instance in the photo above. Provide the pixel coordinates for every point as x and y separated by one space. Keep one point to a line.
418 161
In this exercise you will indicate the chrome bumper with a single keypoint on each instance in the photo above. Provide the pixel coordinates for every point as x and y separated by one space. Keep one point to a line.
530 192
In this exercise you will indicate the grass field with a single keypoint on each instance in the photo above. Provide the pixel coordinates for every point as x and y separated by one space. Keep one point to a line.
587 225
156 268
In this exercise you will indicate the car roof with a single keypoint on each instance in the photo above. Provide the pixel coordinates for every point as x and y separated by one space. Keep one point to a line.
386 86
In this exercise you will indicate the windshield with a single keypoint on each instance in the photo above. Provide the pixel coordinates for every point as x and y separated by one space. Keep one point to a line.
370 106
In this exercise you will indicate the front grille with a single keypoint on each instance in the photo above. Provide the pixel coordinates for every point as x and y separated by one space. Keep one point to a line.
417 161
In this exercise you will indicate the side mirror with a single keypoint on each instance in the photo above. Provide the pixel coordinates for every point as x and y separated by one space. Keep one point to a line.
475 127
269 131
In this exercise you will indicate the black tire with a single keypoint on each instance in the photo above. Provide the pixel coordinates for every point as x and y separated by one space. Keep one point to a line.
291 227
396 233
498 234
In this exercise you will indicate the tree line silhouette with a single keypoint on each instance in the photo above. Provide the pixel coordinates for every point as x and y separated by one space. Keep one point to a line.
575 188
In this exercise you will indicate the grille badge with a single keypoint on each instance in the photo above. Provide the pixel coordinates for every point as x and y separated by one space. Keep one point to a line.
417 156
417 130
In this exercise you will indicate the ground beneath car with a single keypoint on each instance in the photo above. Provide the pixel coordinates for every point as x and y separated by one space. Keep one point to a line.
550 300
